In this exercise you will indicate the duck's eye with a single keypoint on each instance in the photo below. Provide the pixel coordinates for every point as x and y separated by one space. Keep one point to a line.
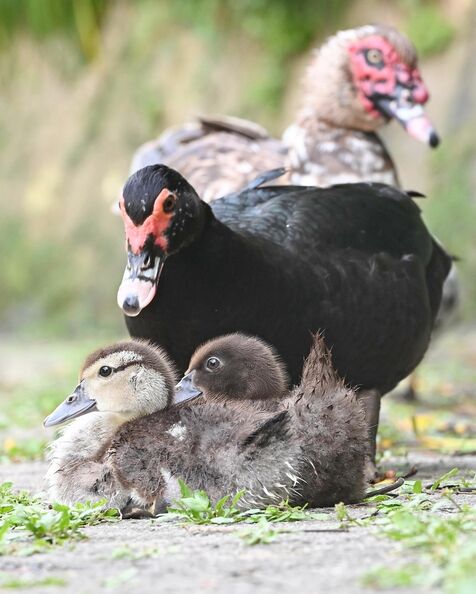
168 204
105 371
213 363
374 57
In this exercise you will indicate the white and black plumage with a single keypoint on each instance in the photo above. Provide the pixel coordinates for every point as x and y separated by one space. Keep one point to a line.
355 83
355 262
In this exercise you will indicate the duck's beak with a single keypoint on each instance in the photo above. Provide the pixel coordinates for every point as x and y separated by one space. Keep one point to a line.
139 282
409 112
77 404
185 390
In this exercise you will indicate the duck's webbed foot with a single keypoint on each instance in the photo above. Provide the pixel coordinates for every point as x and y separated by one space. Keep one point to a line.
370 401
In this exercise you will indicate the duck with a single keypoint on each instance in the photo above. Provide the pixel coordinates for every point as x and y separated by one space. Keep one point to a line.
244 367
117 383
353 261
236 427
359 80
355 84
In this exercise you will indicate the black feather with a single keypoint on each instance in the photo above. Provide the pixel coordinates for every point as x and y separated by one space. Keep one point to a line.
353 261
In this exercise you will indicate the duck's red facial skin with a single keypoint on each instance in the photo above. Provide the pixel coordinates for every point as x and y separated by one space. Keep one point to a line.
154 225
377 69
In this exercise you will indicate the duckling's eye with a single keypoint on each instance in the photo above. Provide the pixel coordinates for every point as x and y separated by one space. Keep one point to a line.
168 204
213 363
374 57
105 371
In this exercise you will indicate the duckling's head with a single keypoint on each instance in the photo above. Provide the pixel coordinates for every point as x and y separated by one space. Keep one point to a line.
130 379
233 366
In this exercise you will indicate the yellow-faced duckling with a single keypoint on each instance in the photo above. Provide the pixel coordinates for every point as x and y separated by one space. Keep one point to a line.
245 430
117 383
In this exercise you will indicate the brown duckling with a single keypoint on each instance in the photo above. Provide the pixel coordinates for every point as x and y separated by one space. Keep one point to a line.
309 446
235 364
118 383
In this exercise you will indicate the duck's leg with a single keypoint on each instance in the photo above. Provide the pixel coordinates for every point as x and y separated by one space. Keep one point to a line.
370 401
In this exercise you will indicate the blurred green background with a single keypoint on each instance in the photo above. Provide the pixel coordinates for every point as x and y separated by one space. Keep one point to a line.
84 82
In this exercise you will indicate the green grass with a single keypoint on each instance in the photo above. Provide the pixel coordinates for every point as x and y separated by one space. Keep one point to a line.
442 545
28 525
195 507
11 581
263 532
21 451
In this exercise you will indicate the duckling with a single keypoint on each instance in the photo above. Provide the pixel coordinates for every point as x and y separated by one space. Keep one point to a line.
254 370
246 431
117 383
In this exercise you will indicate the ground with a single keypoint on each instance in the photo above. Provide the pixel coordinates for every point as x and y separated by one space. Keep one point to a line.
331 555
310 557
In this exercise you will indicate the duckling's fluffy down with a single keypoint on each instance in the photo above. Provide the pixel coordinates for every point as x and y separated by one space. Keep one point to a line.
310 448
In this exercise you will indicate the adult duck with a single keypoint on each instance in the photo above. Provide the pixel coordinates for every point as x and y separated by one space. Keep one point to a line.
353 261
356 83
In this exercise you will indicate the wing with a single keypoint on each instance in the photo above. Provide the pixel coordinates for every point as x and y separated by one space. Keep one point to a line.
275 425
370 218
217 155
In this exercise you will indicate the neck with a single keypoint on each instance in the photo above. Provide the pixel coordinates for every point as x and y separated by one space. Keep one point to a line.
87 436
323 153
203 287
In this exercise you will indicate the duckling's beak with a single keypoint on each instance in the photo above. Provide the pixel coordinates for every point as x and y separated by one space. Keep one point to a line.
185 390
139 282
77 404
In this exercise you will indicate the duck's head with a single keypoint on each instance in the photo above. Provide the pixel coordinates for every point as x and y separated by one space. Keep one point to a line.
130 379
162 213
363 77
233 366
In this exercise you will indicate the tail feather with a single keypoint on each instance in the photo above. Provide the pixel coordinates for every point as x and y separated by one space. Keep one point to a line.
437 271
318 373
